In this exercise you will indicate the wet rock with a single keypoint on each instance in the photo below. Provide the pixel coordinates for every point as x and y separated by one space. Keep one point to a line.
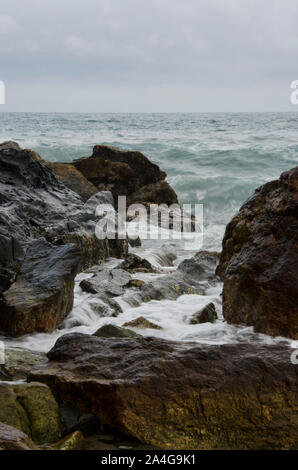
202 266
142 322
9 144
207 314
134 263
106 283
32 409
134 242
121 171
73 421
136 283
113 331
42 294
14 439
259 261
239 396
34 204
73 179
74 441
157 193
18 362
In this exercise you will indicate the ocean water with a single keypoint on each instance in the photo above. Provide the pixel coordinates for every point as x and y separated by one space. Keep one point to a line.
214 159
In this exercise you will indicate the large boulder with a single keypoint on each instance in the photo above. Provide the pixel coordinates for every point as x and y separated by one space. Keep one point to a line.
31 408
259 261
177 395
34 204
14 439
121 171
42 294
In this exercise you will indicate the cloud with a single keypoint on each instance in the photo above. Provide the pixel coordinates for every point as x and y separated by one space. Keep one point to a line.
210 44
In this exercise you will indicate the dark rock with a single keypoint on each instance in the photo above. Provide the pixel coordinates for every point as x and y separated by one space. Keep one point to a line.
73 179
13 439
134 242
134 263
142 322
202 266
113 331
259 261
205 315
9 144
107 282
34 204
177 395
121 171
158 193
42 294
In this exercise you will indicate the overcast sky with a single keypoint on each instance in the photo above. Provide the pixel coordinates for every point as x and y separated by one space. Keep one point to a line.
148 55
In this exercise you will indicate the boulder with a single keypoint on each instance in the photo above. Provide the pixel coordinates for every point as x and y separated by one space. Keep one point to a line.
13 439
34 204
205 315
121 171
18 362
31 408
42 294
157 193
134 263
73 179
259 260
177 395
142 322
202 266
113 331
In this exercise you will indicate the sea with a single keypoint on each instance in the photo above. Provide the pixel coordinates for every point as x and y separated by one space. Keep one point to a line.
213 159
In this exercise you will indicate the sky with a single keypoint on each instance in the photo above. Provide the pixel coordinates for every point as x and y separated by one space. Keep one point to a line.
148 55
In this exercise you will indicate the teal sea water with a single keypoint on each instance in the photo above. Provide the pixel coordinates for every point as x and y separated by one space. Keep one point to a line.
214 159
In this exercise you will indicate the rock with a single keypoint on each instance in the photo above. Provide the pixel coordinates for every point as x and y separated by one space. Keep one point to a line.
136 283
34 204
158 193
73 421
113 331
73 179
31 408
259 261
74 441
13 439
42 294
121 171
18 362
202 266
107 283
134 242
9 144
133 263
205 315
180 396
142 322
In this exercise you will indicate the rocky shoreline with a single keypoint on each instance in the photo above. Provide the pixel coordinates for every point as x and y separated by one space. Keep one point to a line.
117 387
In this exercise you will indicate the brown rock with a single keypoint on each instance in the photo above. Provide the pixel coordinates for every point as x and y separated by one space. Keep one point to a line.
157 193
121 171
180 396
73 179
13 439
206 314
142 322
259 261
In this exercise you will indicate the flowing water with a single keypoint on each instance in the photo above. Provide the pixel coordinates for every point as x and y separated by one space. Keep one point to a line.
214 159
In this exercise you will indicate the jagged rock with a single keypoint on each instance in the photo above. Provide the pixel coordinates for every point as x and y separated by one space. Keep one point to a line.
31 408
134 263
9 144
121 171
42 294
134 242
177 395
142 322
73 179
34 204
259 261
113 331
205 315
13 439
18 362
107 282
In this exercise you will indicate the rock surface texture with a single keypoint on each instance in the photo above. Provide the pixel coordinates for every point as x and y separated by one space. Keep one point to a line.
177 395
47 235
259 261
13 439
